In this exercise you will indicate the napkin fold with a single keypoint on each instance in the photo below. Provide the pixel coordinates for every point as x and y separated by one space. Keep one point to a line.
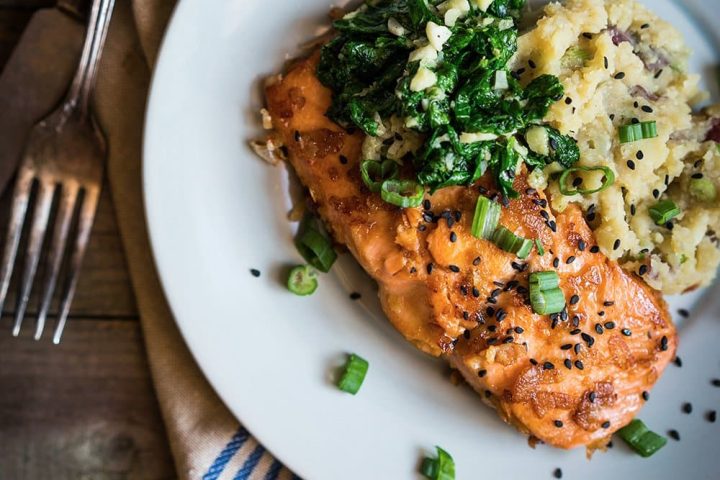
207 442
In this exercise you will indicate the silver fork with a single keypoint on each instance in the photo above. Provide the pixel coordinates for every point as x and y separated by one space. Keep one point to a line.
63 160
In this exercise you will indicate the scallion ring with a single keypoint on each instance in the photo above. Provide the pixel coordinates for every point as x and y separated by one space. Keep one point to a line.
487 216
440 468
664 211
313 245
354 374
508 241
374 173
302 280
645 442
545 294
402 193
545 280
637 131
608 180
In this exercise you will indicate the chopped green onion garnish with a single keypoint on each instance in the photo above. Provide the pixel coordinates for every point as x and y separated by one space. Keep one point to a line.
638 131
302 280
645 442
608 180
703 189
440 468
487 216
545 294
313 245
545 280
508 241
663 211
546 302
375 173
402 193
540 248
354 374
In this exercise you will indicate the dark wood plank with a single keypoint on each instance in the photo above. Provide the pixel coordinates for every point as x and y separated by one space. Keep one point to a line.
83 409
104 286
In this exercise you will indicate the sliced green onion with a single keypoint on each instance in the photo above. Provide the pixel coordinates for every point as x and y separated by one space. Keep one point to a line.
546 302
375 173
501 81
440 468
645 442
508 241
487 216
664 211
703 189
402 193
302 280
540 248
354 374
608 180
313 245
638 131
545 280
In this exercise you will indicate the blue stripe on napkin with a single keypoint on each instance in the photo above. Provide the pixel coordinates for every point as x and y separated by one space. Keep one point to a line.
226 454
250 464
273 471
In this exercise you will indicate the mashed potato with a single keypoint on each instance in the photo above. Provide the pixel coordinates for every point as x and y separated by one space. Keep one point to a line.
619 64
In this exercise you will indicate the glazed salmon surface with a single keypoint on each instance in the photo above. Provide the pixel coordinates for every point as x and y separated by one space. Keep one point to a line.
569 379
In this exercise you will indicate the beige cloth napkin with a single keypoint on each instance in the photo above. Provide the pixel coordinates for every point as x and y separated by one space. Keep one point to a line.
206 440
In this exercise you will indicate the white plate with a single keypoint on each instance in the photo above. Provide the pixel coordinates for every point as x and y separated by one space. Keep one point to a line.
215 211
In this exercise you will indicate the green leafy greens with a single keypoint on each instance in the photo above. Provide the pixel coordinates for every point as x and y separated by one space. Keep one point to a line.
472 111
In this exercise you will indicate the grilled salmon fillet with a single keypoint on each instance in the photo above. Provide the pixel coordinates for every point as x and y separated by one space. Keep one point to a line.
569 379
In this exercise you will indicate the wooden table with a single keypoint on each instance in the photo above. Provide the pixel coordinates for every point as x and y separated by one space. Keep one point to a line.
84 409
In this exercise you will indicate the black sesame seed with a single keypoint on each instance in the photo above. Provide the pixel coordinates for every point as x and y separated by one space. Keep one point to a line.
636 104
579 365
495 293
343 159
575 332
548 366
664 343
576 320
500 315
616 244
567 363
605 424
639 155
609 325
594 249
532 64
626 331
645 25
454 268
620 75
631 165
466 333
697 176
544 214
492 329
643 270
711 416
669 225
570 260
634 121
568 100
645 395
683 313
612 116
656 193
429 268
678 362
687 408
477 261
660 72
674 435
599 329
463 290
533 361
482 373
606 63
518 330
427 205
558 423
715 382
507 340
255 272
577 348
574 299
567 346
556 262
632 209
557 473
355 296
453 237
587 35
555 321
646 108
601 313
552 225
588 339
592 396
476 292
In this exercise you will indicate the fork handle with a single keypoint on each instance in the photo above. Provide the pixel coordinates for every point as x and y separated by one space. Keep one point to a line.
82 86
